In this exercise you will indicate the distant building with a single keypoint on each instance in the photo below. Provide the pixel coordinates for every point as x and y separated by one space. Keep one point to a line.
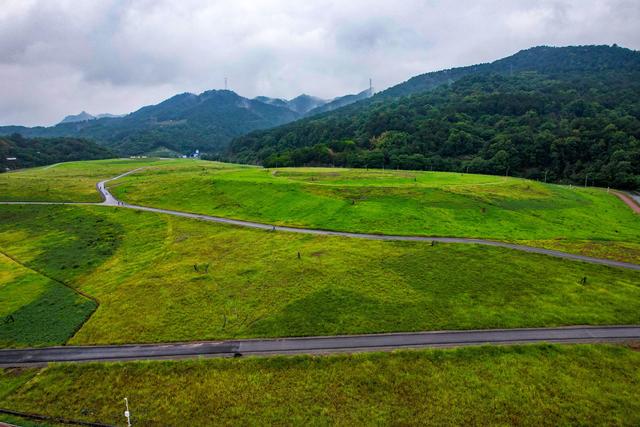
11 158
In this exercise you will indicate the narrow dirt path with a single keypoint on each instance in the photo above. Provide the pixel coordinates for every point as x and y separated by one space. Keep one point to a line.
628 200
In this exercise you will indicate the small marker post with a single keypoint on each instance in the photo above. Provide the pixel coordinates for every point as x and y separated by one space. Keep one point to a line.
127 414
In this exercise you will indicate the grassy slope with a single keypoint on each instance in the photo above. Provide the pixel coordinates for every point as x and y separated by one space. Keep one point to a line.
529 385
140 266
35 310
583 221
66 182
588 221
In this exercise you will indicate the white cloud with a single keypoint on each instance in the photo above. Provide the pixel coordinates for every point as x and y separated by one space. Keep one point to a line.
59 57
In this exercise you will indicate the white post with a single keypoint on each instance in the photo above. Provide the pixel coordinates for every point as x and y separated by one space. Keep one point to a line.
127 414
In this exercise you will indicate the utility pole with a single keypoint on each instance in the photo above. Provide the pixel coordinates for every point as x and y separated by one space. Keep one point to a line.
127 414
586 177
545 175
226 87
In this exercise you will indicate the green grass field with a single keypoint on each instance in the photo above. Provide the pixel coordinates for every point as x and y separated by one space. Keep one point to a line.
578 220
35 310
390 202
528 385
67 182
162 278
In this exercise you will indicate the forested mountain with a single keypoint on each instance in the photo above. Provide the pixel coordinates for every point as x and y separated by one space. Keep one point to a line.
565 113
17 152
181 124
304 103
340 102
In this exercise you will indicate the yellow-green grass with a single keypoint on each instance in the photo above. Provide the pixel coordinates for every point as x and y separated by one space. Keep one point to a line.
529 385
149 273
587 221
621 251
35 310
72 181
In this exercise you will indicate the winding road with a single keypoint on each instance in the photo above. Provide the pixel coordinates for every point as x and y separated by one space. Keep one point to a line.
327 344
317 345
110 200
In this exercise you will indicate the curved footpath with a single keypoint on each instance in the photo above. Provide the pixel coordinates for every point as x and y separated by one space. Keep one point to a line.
110 200
317 345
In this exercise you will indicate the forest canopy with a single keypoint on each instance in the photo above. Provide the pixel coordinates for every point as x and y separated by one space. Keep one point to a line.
561 123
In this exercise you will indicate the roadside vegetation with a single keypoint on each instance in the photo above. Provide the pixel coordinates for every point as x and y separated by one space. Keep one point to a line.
527 385
161 278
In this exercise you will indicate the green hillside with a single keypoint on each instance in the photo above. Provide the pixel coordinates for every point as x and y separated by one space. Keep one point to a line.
17 152
183 123
560 114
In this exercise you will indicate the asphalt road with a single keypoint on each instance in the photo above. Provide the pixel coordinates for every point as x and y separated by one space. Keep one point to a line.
317 345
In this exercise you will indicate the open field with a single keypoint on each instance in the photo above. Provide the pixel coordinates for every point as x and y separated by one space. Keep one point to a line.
390 202
527 385
161 278
35 310
67 182
585 221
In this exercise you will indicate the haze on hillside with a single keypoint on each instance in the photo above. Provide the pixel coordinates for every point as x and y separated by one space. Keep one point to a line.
115 56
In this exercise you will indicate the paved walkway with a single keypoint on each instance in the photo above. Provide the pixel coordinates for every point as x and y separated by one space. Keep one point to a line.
318 345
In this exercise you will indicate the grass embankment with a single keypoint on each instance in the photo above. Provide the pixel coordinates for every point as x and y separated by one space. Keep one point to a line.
67 182
528 385
35 310
162 278
587 221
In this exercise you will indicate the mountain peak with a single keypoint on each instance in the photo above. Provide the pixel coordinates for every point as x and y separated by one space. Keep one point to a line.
74 118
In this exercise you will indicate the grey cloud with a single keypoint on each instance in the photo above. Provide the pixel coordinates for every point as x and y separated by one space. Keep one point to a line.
62 56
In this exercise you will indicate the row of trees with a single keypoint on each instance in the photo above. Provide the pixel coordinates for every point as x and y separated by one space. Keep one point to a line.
30 152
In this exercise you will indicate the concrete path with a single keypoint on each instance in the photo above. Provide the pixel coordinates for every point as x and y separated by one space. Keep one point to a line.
318 345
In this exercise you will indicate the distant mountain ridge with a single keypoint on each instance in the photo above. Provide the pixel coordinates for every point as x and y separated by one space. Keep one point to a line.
84 116
182 123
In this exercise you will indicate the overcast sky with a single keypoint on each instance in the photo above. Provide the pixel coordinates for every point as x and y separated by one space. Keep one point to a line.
59 57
